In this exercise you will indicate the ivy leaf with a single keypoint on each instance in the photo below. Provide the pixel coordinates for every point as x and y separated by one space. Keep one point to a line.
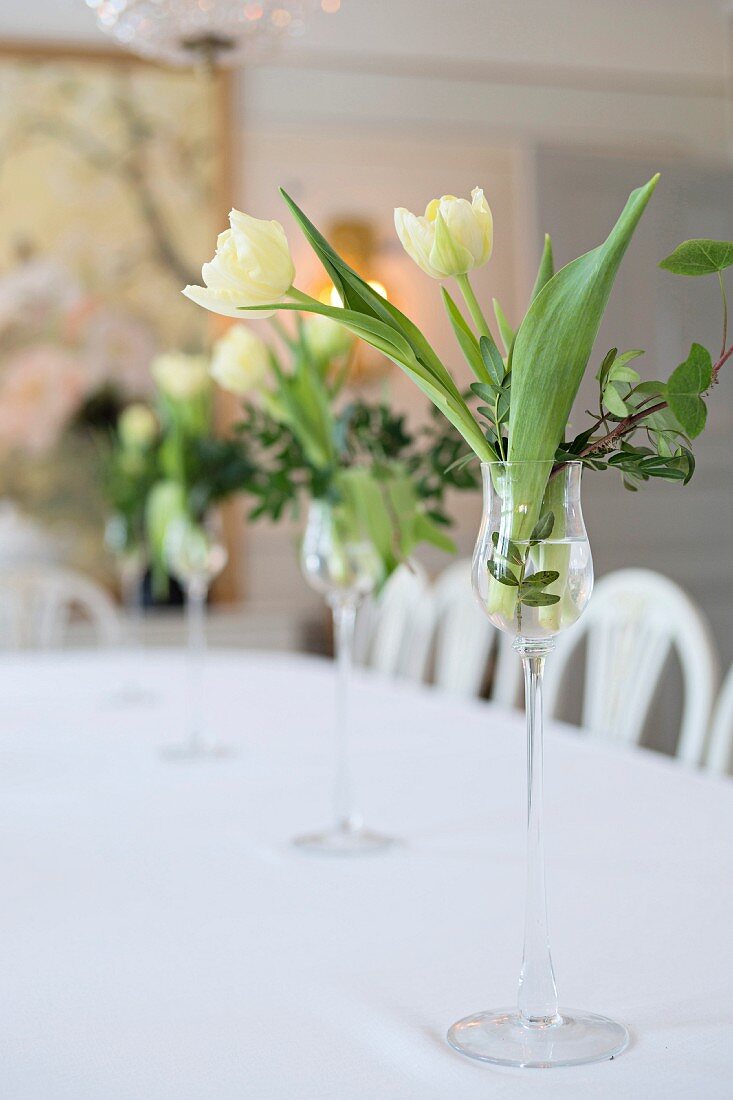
699 257
541 578
684 387
538 599
502 574
543 528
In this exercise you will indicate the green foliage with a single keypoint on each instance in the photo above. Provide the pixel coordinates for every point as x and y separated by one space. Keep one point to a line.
699 257
127 477
642 427
684 387
509 562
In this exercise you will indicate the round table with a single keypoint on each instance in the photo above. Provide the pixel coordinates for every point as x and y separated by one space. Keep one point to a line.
162 940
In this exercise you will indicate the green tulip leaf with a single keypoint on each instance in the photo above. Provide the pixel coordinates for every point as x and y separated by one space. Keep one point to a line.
465 337
552 349
505 329
546 268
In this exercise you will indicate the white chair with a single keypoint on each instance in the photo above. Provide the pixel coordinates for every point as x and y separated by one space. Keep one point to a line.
465 641
720 752
39 603
393 631
635 620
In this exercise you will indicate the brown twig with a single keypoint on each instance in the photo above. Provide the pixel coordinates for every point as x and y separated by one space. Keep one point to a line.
629 422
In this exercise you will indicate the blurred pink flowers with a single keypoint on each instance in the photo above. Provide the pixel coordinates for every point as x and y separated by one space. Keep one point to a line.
40 389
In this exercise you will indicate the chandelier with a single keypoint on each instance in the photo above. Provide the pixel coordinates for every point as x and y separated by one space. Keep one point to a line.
215 32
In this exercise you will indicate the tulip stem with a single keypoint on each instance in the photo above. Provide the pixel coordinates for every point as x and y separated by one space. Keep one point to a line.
473 306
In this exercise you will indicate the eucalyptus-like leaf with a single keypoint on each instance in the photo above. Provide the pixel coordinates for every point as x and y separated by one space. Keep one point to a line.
613 401
502 574
543 528
684 387
621 373
608 361
699 257
533 598
541 579
507 549
492 359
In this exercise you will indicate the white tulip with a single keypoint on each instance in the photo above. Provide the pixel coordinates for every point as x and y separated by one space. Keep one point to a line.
240 361
181 376
325 338
137 426
252 266
451 238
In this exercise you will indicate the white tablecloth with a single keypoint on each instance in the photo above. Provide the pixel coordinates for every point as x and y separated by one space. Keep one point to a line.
160 939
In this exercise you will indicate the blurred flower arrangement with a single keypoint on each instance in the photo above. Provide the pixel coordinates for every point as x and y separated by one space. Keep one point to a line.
307 438
166 469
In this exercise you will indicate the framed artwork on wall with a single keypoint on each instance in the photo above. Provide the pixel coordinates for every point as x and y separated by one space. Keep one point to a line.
114 176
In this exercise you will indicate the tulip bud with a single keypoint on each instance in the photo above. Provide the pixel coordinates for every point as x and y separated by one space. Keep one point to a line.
180 376
453 237
326 339
240 361
137 427
252 266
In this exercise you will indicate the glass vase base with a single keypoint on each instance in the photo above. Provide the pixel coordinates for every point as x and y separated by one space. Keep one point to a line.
344 842
503 1039
197 752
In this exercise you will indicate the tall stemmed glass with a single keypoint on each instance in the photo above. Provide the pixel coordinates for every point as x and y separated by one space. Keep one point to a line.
533 576
343 567
196 554
131 560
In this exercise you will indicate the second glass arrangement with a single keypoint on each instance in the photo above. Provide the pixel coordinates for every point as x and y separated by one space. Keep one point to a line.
533 577
345 568
196 555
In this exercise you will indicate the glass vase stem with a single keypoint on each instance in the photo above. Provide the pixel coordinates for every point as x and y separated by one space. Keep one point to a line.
537 990
196 592
344 619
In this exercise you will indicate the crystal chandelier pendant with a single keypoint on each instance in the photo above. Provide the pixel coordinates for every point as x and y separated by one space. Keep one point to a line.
215 32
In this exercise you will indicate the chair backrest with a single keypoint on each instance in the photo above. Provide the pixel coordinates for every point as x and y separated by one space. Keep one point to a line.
39 603
635 620
393 632
465 640
720 750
